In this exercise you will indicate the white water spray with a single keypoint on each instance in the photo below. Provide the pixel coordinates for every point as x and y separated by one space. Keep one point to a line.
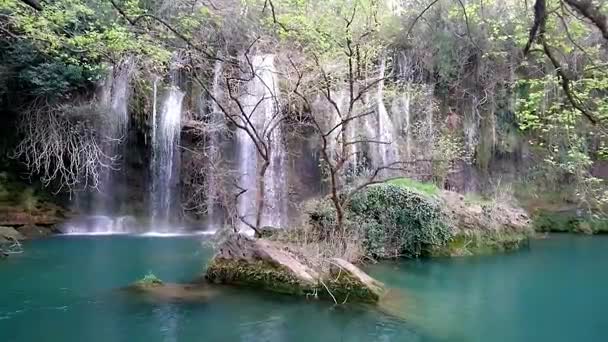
165 158
216 117
261 104
387 151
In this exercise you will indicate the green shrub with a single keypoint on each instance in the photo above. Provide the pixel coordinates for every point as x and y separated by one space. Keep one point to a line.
398 221
28 199
392 220
149 280
570 222
429 189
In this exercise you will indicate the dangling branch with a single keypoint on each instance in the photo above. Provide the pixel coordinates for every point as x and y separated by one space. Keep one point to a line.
537 33
591 12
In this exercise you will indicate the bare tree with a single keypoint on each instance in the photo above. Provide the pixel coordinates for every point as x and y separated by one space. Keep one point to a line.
62 145
338 146
241 109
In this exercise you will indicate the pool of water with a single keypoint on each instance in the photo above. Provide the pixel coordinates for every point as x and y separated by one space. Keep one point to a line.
67 289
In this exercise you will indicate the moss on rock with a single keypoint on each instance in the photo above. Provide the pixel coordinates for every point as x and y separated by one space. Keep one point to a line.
257 274
149 280
481 243
569 221
347 282
272 266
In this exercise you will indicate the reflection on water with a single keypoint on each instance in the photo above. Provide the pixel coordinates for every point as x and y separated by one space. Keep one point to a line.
68 288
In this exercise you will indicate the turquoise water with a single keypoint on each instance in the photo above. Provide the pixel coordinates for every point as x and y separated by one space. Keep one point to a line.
67 289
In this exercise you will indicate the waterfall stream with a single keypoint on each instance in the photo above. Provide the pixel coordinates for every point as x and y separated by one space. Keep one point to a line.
264 118
387 152
165 159
106 200
213 150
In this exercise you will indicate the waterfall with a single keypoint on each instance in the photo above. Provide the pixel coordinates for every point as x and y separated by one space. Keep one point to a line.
387 151
261 105
165 158
213 150
401 108
106 200
115 98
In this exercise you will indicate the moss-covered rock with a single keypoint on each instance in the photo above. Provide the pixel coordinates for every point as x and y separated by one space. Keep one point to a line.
483 227
8 234
569 221
258 274
271 266
148 281
170 292
480 243
348 282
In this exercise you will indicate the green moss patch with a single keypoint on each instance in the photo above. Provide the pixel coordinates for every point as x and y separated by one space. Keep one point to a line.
428 189
480 243
346 288
569 222
149 280
257 274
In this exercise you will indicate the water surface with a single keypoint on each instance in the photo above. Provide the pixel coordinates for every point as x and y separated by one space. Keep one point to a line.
65 289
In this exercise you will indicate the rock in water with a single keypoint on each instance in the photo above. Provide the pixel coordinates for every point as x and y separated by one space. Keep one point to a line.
259 263
348 282
8 234
271 266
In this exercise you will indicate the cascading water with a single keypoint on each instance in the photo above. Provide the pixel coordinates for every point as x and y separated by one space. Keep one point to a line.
387 152
213 152
114 98
401 108
261 105
165 159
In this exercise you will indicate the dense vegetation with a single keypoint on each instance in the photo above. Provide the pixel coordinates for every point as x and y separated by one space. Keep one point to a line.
489 81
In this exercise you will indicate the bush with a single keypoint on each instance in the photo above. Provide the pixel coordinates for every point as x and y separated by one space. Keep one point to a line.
429 189
149 280
391 220
397 221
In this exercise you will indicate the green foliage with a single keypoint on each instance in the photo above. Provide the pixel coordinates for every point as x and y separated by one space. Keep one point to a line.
570 222
397 221
428 189
33 74
480 243
149 280
448 148
392 219
61 49
28 199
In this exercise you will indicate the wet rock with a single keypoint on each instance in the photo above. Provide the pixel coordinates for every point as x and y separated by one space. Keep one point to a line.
46 216
8 234
171 292
271 266
483 227
261 264
30 231
348 282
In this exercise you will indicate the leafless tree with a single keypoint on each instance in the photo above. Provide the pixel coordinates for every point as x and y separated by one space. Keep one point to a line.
240 107
62 145
337 145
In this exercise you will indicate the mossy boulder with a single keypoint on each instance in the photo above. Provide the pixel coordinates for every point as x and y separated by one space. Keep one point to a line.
480 243
569 221
258 263
9 234
148 281
483 227
348 282
271 266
